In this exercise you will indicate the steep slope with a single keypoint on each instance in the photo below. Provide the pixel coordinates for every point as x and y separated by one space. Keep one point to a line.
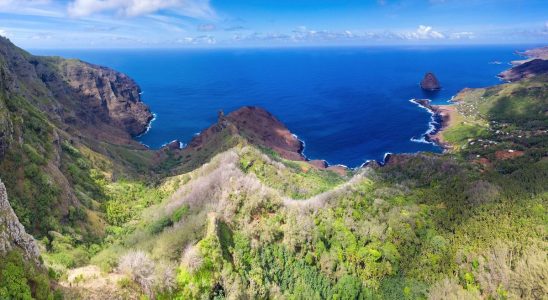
13 235
74 92
22 273
248 124
52 110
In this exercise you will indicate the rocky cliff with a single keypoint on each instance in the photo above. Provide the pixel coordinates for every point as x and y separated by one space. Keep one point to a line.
59 120
252 124
73 92
12 233
262 128
111 95
259 127
526 70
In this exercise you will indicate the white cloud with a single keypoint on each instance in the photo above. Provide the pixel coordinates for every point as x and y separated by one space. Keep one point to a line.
200 9
31 7
3 33
461 35
199 40
423 33
41 36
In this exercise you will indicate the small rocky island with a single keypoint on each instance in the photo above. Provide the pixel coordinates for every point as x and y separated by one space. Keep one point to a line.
430 82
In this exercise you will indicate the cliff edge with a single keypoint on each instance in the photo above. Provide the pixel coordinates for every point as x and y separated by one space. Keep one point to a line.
75 93
112 95
12 233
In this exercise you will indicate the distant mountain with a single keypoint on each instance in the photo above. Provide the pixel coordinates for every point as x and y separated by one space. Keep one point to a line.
525 70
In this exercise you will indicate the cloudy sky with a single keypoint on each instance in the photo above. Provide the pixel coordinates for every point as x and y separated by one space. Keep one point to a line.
241 23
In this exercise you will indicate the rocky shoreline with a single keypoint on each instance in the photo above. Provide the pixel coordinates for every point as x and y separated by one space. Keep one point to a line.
443 116
261 128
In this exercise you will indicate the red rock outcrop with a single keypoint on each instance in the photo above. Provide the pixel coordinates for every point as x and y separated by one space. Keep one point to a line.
259 127
262 128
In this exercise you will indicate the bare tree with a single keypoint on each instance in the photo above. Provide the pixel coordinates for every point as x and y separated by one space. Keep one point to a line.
140 268
192 258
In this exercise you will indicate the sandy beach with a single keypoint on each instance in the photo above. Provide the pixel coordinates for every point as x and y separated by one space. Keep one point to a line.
448 115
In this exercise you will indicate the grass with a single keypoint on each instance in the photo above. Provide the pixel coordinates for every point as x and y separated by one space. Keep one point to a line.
298 180
460 133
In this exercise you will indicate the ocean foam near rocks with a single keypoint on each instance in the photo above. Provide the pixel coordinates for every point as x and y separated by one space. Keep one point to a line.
149 126
433 125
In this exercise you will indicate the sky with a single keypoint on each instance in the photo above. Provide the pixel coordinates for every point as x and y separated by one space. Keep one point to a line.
241 23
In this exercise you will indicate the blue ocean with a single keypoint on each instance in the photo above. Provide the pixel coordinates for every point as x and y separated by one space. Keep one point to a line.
348 105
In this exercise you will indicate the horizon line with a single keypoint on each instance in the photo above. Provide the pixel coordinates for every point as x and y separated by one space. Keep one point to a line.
288 46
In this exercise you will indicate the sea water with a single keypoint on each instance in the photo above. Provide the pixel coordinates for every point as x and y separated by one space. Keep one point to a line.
348 104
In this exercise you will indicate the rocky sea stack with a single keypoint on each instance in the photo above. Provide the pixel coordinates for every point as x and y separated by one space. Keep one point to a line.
430 82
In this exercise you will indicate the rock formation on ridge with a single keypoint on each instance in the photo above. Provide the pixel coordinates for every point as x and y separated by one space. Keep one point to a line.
259 127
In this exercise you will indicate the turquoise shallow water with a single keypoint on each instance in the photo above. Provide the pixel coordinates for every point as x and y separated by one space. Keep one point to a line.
348 104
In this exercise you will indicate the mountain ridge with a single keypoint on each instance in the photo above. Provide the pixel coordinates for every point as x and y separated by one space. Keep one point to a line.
240 213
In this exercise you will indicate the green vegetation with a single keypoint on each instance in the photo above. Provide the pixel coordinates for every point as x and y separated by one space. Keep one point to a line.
294 179
427 226
238 222
21 280
26 165
460 133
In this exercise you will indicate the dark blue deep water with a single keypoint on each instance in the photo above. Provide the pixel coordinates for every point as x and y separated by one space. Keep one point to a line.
348 104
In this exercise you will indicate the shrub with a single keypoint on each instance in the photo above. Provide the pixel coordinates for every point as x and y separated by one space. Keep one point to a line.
140 268
192 259
530 277
179 213
13 283
350 288
448 289
20 279
159 225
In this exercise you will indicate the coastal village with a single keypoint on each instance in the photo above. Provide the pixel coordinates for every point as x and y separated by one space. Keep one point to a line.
469 111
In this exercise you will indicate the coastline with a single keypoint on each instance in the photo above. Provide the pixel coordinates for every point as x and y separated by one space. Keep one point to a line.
447 114
442 117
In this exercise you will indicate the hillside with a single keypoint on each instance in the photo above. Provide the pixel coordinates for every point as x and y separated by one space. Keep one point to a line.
53 113
239 213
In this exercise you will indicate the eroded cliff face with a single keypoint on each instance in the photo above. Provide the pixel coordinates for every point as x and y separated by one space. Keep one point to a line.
111 95
12 233
75 93
259 127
